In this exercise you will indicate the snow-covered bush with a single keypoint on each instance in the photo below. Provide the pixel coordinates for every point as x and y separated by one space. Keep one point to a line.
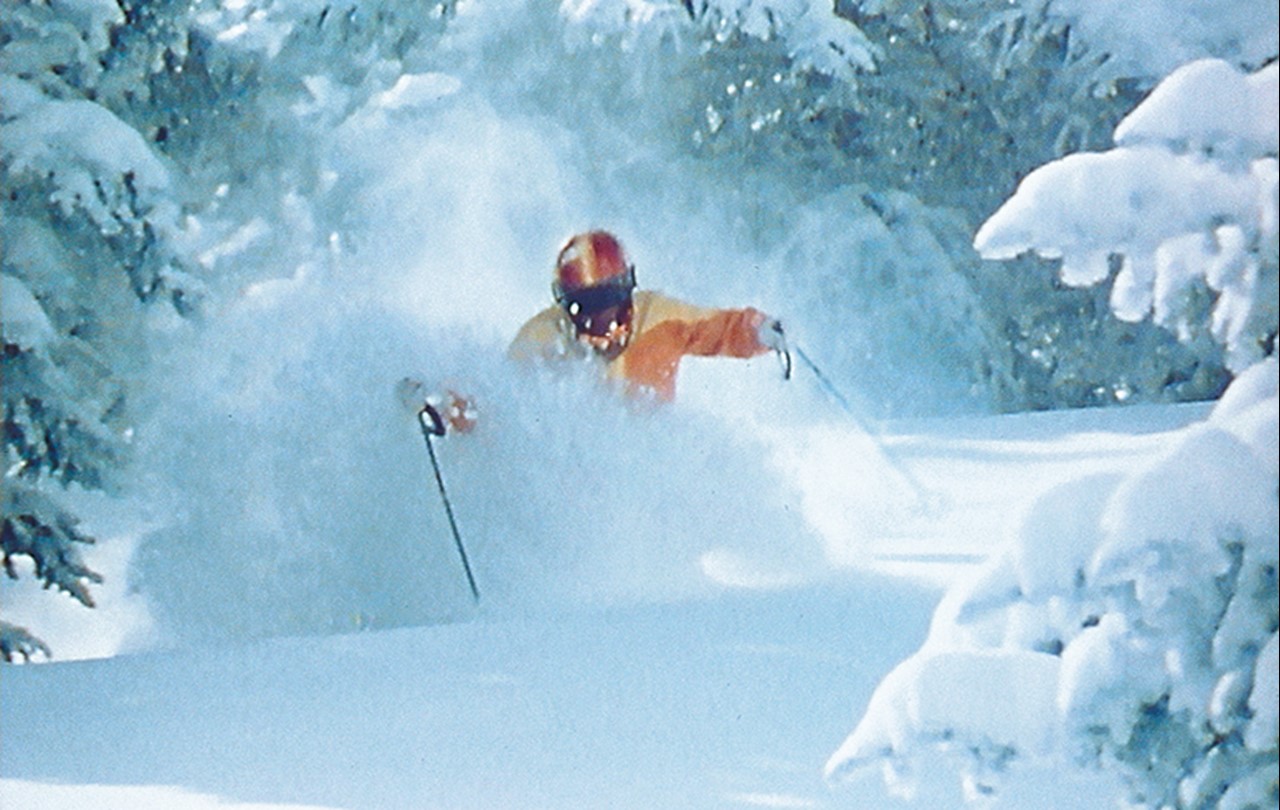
1185 206
1131 624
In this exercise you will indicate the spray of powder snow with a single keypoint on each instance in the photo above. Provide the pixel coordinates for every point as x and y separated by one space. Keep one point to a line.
301 494
311 504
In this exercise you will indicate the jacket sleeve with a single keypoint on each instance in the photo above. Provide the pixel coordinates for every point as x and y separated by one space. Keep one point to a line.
654 358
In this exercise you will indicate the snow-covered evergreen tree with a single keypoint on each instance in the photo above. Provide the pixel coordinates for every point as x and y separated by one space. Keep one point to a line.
1132 622
88 228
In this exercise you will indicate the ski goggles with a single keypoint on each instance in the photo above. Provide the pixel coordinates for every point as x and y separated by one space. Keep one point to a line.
597 310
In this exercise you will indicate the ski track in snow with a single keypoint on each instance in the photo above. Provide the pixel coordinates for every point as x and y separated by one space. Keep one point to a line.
972 511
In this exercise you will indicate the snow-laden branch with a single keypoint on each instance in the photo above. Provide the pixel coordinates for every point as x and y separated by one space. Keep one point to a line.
95 162
1188 196
1208 106
1147 38
816 38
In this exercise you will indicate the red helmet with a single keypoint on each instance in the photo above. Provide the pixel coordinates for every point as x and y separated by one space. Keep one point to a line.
593 282
588 260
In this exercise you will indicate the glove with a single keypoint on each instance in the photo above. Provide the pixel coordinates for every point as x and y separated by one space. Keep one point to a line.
438 412
450 411
771 336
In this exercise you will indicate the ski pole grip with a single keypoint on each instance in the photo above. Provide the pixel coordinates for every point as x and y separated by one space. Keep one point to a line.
431 420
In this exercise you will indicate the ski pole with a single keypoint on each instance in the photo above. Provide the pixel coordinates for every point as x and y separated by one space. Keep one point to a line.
922 493
436 428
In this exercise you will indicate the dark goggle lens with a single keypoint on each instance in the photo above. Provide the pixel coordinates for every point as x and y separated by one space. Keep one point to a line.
594 309
603 322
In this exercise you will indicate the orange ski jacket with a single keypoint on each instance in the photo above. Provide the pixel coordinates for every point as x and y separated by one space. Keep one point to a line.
663 330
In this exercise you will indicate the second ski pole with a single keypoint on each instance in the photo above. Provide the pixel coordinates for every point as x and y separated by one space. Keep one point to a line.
432 424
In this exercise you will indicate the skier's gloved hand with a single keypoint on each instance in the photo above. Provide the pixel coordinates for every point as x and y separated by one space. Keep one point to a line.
450 412
771 336
439 413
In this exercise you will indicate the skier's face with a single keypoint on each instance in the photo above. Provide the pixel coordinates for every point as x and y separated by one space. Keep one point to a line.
601 313
606 331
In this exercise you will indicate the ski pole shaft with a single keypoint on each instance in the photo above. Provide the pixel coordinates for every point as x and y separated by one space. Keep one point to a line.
437 429
921 491
825 383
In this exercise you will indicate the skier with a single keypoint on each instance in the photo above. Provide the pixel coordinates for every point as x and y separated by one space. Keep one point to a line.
637 337
634 338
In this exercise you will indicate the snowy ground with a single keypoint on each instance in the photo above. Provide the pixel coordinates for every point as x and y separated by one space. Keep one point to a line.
730 698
